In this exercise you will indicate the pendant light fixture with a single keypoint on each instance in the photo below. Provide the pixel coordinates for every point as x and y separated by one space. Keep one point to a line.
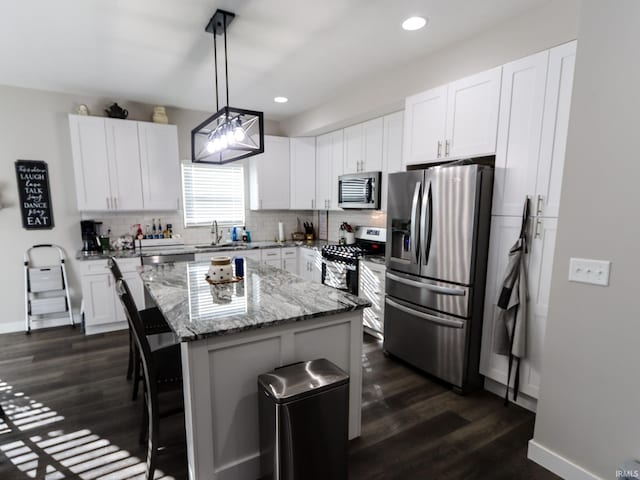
231 133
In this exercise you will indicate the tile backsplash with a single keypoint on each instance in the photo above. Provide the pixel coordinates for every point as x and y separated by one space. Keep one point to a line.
263 225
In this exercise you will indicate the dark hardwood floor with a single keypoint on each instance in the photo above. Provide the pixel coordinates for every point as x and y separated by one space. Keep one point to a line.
70 416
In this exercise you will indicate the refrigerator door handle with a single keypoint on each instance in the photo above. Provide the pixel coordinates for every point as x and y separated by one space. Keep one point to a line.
426 222
458 292
415 243
446 322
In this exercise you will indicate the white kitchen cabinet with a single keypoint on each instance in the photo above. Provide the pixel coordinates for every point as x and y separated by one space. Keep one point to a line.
455 120
90 162
101 306
554 129
254 254
329 166
268 173
425 122
303 174
272 256
371 285
472 115
160 166
520 129
290 259
363 147
391 151
310 265
124 165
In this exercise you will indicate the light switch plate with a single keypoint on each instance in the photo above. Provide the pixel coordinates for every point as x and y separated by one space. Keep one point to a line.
584 270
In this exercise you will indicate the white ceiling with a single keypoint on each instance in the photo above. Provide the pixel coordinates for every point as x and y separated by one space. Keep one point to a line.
156 51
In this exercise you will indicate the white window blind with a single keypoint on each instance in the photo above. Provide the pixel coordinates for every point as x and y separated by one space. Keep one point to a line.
212 192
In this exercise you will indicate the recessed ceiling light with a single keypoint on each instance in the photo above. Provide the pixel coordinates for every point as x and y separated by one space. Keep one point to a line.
414 23
280 99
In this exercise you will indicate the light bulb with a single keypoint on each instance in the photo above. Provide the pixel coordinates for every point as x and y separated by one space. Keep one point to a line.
223 142
230 136
239 135
216 144
211 148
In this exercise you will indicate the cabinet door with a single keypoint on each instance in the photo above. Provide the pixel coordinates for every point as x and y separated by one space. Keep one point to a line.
98 295
542 248
353 148
391 151
504 233
472 114
337 167
372 132
90 162
290 260
160 166
554 128
371 284
268 172
425 126
323 171
272 256
123 151
303 174
518 147
255 255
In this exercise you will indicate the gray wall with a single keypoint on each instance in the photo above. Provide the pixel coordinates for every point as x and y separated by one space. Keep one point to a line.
589 408
536 30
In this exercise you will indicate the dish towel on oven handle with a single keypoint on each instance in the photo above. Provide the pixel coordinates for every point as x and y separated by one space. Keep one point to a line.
510 333
336 275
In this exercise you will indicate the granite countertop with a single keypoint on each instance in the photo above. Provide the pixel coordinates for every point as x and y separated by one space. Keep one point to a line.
151 251
265 297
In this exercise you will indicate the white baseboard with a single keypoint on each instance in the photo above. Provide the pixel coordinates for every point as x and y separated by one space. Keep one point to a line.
497 388
36 324
104 328
557 464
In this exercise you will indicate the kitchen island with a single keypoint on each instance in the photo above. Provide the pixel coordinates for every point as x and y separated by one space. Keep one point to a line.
230 334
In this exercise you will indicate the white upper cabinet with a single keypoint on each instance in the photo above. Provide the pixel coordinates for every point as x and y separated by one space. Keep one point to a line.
124 165
425 126
472 115
160 166
555 126
391 151
269 175
455 120
303 173
90 162
363 147
520 127
329 156
123 151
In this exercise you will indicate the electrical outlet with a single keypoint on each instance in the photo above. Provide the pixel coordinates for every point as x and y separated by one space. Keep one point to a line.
584 270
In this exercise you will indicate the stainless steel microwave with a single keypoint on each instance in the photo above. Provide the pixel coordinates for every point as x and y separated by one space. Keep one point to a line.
359 190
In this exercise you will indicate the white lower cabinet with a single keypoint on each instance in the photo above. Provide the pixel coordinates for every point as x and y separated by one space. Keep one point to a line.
290 260
371 284
310 265
102 309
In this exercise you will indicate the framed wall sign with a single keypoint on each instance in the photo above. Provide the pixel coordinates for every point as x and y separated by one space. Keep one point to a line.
34 193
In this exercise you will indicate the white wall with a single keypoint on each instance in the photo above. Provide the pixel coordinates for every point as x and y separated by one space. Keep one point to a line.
375 95
34 126
589 407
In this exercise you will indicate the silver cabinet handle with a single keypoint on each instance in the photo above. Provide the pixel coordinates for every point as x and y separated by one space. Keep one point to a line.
439 148
115 203
445 322
539 206
312 204
446 148
108 204
260 203
458 292
328 204
537 233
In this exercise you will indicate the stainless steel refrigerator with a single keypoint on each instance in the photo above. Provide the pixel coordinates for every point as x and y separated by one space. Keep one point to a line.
436 260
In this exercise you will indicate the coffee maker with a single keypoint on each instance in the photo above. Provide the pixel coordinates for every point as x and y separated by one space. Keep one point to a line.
90 236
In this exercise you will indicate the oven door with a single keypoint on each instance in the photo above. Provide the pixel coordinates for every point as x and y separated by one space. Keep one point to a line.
340 275
360 190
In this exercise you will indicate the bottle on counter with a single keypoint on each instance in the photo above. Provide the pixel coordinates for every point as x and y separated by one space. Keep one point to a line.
147 231
153 228
159 231
169 230
234 234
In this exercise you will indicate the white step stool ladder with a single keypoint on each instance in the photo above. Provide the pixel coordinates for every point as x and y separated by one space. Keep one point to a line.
46 288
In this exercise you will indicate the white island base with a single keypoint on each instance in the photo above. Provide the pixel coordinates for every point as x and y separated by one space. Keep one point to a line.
220 387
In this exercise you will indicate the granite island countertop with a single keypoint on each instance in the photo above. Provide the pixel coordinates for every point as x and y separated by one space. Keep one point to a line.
265 297
239 246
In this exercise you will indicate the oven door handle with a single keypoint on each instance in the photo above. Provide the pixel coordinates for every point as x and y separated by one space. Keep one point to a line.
459 292
445 322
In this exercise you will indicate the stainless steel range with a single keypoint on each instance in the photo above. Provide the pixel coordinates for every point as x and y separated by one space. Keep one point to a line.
340 262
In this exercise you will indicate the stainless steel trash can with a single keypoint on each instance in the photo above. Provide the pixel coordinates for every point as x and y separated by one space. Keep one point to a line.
304 422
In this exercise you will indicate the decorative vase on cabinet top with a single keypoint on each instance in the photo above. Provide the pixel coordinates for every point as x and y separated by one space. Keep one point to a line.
160 115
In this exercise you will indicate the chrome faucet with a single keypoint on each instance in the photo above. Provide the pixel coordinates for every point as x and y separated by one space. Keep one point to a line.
216 235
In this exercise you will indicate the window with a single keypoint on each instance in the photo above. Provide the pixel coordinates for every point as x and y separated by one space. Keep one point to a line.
212 192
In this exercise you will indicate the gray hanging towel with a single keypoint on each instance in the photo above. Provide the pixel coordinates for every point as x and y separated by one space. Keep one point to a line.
510 332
